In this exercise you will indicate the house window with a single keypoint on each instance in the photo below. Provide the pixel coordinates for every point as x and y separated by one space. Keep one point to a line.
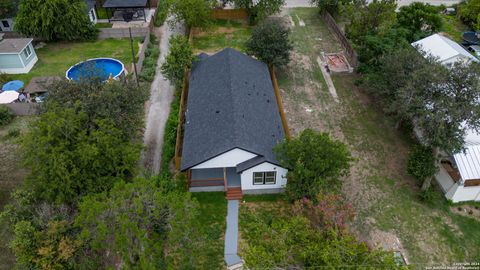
92 15
264 178
5 24
27 51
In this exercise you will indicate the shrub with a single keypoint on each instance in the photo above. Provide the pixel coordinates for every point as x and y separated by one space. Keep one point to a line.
421 162
427 195
162 12
178 59
316 162
6 116
270 43
170 135
13 133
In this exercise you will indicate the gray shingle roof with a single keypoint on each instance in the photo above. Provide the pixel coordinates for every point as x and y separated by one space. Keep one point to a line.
14 45
231 104
124 3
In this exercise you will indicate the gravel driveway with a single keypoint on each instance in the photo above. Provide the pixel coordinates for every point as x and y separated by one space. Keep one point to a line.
161 95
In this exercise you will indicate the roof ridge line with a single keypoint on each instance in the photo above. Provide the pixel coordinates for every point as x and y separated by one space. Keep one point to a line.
232 98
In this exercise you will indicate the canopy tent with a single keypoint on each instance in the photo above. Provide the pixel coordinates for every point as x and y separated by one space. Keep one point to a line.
12 86
8 97
126 10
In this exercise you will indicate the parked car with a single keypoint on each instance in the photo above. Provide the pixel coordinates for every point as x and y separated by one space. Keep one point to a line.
475 49
471 38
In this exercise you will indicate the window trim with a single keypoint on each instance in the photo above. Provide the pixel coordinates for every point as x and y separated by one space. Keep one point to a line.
6 24
264 176
27 49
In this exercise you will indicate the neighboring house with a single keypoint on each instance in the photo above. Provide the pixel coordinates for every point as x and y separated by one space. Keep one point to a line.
17 55
6 24
232 122
444 49
92 14
459 174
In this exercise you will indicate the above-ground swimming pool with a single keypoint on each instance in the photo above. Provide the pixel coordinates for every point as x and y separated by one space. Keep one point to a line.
101 68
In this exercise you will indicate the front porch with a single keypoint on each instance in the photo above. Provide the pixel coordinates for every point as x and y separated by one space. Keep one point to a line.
216 179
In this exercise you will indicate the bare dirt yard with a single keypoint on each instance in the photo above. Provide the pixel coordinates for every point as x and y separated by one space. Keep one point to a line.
389 212
12 175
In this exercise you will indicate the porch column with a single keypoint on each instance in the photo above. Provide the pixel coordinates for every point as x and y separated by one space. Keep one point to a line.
225 178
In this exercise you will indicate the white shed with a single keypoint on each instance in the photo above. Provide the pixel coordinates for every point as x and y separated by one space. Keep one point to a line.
444 49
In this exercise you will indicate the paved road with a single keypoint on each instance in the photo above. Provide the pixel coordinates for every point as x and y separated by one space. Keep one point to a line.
306 3
161 95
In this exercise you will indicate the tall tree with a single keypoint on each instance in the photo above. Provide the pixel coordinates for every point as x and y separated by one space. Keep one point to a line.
142 225
420 20
270 43
194 13
331 6
7 8
54 20
376 17
316 163
469 12
258 10
68 158
179 58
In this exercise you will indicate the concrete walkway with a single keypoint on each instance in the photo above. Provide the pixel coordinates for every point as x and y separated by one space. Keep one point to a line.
328 79
231 235
158 108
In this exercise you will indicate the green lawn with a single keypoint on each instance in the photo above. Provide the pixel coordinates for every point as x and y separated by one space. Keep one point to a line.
385 197
453 27
55 58
213 213
103 25
222 34
11 176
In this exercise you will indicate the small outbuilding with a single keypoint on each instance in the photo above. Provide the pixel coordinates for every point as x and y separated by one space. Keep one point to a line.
17 55
444 49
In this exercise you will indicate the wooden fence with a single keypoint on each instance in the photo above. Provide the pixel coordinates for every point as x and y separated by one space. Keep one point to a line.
279 101
181 120
230 14
335 29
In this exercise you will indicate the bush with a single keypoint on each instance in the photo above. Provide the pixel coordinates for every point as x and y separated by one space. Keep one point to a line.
270 43
315 162
421 163
13 133
428 195
170 135
6 116
162 12
147 74
178 59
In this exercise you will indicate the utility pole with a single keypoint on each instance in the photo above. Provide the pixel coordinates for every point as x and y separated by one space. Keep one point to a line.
133 56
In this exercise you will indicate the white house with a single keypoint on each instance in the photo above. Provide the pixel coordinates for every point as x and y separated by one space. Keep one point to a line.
444 49
232 123
92 14
459 175
17 55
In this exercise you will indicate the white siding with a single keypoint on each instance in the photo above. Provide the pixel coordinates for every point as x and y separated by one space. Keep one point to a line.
466 194
229 159
247 177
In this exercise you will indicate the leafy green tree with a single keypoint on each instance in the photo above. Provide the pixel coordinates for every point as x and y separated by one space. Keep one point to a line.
469 12
331 6
290 242
6 116
69 159
7 8
178 59
194 13
420 20
270 43
54 20
258 10
316 163
52 247
120 102
422 164
376 17
146 226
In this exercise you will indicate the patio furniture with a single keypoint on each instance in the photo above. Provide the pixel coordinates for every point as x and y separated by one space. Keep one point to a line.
126 10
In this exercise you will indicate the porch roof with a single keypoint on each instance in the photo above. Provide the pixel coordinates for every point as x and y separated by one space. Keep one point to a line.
125 3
